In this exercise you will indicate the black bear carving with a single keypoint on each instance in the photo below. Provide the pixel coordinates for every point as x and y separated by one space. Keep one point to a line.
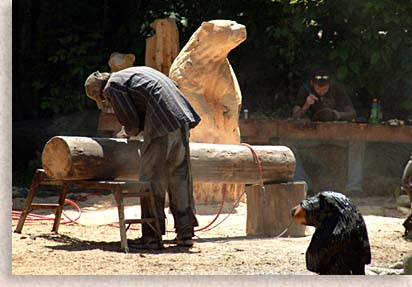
340 244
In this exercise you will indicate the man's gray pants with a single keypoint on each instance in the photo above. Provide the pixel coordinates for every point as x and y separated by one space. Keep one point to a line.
165 162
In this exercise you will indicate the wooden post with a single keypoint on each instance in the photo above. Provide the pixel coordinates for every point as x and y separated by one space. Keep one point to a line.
268 211
163 47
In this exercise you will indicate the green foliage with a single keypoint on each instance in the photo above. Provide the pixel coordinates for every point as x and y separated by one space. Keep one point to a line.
79 39
68 52
66 68
367 43
364 41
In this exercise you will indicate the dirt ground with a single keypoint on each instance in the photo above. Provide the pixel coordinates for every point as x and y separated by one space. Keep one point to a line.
91 247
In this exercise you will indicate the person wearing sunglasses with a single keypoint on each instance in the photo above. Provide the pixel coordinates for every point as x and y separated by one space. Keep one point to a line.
320 99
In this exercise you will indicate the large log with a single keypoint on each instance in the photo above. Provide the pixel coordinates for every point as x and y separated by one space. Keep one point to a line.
71 158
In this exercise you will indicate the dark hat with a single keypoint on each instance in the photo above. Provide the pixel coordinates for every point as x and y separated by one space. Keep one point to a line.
94 85
321 77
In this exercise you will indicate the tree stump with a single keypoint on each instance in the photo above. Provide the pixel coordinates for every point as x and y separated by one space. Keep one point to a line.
268 212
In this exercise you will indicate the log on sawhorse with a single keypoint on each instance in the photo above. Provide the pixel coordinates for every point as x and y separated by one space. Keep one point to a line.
74 158
119 188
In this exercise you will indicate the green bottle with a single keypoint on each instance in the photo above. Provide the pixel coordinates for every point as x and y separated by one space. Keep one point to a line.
374 116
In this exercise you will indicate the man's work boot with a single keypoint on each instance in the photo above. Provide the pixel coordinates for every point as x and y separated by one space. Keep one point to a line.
146 243
184 242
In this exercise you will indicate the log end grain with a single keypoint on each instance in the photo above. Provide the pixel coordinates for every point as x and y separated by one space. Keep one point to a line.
56 158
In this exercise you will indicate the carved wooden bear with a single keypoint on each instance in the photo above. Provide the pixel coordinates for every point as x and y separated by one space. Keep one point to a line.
206 78
340 244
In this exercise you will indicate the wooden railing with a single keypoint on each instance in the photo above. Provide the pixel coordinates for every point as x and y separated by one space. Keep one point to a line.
269 131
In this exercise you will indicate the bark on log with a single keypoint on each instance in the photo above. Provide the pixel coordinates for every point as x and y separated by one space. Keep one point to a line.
71 158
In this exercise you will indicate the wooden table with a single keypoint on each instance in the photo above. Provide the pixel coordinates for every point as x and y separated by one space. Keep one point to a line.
264 131
385 148
268 131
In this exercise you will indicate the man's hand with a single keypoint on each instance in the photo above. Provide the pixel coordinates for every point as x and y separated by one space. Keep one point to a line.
310 100
131 132
337 115
298 111
122 134
126 132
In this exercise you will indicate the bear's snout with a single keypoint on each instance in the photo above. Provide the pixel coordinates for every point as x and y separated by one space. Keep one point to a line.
299 214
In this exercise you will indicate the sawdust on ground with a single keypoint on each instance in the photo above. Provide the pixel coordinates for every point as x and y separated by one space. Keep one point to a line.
92 246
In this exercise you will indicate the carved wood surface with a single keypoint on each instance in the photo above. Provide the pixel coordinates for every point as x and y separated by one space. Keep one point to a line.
163 47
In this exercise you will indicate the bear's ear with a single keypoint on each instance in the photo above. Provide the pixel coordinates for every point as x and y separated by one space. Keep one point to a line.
207 26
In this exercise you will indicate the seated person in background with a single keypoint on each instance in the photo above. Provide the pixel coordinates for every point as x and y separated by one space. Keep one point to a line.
323 100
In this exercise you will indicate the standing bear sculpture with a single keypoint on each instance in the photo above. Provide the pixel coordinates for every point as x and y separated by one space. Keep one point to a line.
205 76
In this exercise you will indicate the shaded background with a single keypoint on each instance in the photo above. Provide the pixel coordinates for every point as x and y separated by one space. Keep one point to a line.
56 44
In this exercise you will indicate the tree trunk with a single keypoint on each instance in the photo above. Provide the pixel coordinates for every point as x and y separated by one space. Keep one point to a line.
72 158
268 211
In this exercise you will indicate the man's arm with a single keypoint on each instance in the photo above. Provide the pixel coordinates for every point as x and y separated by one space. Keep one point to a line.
345 110
299 111
124 109
347 114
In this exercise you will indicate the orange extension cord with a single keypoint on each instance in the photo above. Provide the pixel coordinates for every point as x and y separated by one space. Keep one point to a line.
32 217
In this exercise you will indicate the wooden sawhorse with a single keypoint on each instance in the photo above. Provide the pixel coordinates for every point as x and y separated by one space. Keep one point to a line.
119 188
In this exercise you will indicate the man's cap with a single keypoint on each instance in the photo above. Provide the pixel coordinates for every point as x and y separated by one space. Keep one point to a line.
94 85
321 77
